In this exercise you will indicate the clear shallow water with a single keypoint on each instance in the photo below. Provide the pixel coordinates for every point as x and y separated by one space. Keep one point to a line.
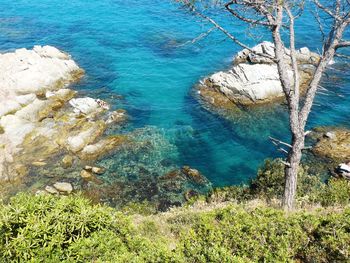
131 48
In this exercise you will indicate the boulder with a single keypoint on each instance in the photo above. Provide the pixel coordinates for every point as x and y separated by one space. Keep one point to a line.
88 105
86 174
342 170
51 190
333 144
67 161
102 147
63 187
254 78
95 169
88 134
30 71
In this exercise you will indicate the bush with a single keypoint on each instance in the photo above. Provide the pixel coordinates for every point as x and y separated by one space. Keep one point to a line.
269 184
69 229
337 192
268 235
52 229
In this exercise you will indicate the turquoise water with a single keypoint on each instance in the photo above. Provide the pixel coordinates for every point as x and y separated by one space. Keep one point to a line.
135 49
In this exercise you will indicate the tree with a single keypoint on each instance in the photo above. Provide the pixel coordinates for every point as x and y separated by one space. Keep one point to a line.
278 16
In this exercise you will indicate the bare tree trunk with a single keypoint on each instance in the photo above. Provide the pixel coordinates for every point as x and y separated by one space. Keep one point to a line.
291 172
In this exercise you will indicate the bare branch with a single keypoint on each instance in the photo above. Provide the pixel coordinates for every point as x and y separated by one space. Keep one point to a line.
196 39
342 44
245 19
325 9
277 142
228 34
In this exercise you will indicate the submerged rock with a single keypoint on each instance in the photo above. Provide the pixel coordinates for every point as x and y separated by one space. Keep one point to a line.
86 174
253 79
63 187
67 161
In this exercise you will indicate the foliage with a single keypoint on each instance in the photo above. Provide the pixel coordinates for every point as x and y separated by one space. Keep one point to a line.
235 234
51 229
268 185
69 229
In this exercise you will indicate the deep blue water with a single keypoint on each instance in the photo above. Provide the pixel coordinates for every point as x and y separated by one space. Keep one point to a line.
134 49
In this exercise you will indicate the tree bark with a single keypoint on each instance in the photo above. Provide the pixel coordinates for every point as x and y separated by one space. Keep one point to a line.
291 172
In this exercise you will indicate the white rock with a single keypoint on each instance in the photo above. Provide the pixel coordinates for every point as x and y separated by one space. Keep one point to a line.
85 105
63 187
50 52
344 167
254 82
23 74
255 78
29 71
304 51
51 190
331 135
15 128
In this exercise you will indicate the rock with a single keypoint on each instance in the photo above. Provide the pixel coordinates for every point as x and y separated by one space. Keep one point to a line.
194 175
67 161
98 170
342 170
63 187
51 190
304 51
39 163
37 125
189 194
89 132
246 84
29 71
88 105
246 55
85 174
253 79
50 52
40 192
334 144
102 147
24 74
104 105
330 135
116 116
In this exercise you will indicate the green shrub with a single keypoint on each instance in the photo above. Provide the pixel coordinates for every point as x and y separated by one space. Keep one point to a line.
337 192
268 235
52 229
269 182
69 229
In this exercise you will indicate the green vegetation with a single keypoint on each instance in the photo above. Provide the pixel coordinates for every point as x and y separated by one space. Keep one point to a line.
47 228
69 229
268 186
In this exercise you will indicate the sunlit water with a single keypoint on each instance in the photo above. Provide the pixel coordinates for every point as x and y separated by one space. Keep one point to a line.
135 49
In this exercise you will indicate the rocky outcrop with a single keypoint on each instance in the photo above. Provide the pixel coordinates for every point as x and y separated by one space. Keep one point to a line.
332 143
40 117
253 79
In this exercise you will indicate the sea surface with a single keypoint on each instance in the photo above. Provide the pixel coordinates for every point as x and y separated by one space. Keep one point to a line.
138 56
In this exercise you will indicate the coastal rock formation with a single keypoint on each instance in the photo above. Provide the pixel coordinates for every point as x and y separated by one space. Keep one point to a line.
40 117
253 79
333 144
54 142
